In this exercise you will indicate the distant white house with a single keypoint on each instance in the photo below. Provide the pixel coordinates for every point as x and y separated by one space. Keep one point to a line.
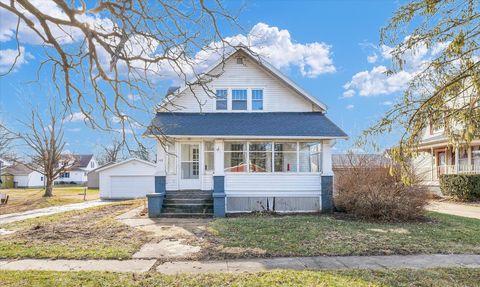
77 174
19 175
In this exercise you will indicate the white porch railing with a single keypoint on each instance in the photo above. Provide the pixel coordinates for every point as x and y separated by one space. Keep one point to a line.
460 169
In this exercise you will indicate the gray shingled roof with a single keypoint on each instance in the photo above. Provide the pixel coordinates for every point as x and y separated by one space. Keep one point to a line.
278 124
17 169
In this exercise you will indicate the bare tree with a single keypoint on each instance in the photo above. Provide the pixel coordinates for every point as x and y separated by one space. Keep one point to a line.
6 139
112 152
44 139
141 152
446 89
120 48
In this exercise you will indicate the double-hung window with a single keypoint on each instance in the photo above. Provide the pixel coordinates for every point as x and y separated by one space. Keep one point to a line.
221 99
257 100
239 99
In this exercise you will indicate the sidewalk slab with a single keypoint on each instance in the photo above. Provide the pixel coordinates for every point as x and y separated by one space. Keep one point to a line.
80 265
13 217
250 265
193 267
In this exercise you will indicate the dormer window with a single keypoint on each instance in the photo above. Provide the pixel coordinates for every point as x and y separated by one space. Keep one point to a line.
239 100
257 100
221 99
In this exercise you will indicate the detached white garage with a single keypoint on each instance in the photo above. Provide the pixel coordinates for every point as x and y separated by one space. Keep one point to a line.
132 178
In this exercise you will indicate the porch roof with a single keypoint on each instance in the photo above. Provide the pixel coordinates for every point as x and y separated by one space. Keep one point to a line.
244 124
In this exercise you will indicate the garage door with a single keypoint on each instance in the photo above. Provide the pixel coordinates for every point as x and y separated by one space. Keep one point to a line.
131 186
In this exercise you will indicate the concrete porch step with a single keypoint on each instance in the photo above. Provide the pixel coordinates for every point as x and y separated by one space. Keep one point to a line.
187 209
180 201
186 215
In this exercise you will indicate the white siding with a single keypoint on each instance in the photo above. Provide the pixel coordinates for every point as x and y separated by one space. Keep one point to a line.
277 97
34 179
280 184
128 169
171 182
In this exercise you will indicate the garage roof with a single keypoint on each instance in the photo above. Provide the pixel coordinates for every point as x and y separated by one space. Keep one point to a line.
124 162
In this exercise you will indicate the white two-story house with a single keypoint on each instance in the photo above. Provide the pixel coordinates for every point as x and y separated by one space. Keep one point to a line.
255 138
77 173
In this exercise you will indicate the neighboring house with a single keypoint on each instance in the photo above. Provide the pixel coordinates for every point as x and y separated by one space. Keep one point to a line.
437 156
19 175
131 178
344 162
93 176
77 174
260 142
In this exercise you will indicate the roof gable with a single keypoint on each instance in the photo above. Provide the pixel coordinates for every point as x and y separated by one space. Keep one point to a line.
173 92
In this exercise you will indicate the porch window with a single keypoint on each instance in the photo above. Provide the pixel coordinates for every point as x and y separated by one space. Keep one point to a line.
476 158
221 99
464 165
267 157
257 100
235 157
310 157
260 155
239 99
285 157
209 157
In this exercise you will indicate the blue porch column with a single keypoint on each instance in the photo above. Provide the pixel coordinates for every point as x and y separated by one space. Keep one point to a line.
219 196
327 177
160 183
327 194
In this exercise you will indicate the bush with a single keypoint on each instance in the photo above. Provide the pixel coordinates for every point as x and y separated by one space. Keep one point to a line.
463 186
368 191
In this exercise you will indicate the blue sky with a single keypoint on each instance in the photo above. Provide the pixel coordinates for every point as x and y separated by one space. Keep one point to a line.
346 33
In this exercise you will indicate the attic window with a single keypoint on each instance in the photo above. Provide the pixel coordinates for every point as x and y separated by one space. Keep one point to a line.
240 61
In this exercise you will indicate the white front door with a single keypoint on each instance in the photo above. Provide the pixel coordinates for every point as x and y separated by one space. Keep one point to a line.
190 166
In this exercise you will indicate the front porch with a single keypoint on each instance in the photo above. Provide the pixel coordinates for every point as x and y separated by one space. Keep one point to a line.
445 159
244 175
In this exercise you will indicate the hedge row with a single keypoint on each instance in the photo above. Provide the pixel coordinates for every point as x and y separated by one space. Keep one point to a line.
462 186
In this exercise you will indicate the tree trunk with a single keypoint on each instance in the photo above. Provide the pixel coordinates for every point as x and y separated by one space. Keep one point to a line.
48 188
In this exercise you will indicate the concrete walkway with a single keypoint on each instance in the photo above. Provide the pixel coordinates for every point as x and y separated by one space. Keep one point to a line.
249 265
459 209
12 217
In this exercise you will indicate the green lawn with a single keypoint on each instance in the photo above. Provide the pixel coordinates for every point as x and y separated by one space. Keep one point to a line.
403 277
90 233
32 198
311 235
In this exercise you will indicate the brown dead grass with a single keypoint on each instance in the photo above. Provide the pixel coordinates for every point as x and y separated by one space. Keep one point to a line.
28 199
91 233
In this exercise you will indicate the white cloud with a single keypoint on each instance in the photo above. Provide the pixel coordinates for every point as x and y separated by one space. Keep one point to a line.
75 117
377 81
274 44
387 103
9 57
133 97
74 130
277 46
372 58
63 34
348 93
349 107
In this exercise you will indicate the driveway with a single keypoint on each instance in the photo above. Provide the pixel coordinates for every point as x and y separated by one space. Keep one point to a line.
460 209
12 217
